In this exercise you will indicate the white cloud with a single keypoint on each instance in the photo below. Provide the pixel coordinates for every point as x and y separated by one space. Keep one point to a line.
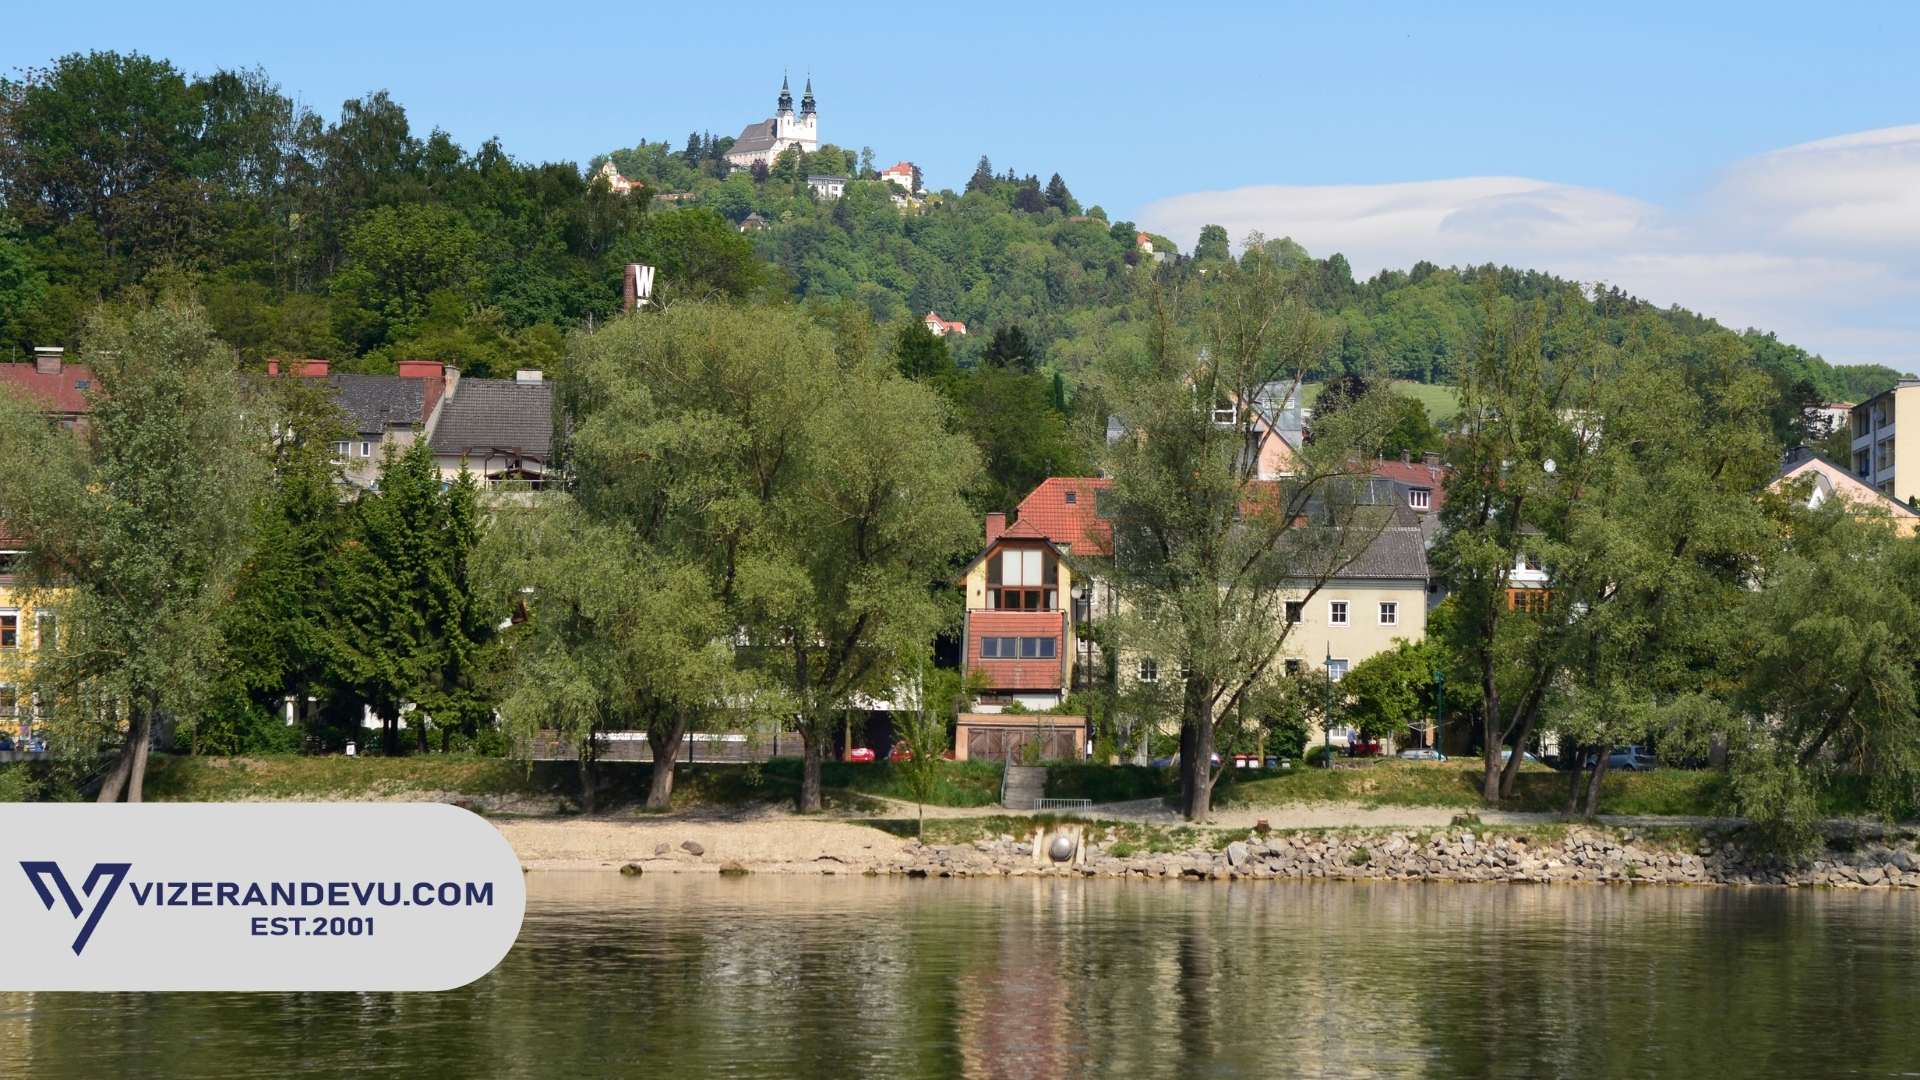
1819 242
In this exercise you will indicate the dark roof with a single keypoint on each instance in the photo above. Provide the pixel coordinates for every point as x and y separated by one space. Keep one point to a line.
374 403
757 136
497 414
1400 551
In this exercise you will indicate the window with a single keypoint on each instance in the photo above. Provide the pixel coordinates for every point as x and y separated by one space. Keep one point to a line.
10 563
1420 498
1073 498
366 449
1296 610
1336 670
1531 601
1018 648
1389 614
1149 669
9 629
340 449
1337 613
46 631
1022 579
1293 667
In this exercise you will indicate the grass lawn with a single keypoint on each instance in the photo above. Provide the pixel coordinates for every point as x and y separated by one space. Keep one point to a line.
1441 401
213 779
1457 784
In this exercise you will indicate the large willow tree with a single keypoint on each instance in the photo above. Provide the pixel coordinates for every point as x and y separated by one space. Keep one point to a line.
814 490
1207 551
137 523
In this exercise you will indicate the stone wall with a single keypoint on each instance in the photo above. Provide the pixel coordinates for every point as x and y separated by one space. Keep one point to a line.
1454 854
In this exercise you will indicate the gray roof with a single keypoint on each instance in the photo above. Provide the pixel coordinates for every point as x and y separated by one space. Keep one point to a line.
373 403
1400 551
756 136
496 414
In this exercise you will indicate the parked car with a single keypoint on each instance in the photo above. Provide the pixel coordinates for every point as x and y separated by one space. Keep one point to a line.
1525 758
6 743
1631 758
1363 748
859 753
1422 754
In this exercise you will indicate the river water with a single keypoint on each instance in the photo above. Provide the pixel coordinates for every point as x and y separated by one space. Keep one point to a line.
842 977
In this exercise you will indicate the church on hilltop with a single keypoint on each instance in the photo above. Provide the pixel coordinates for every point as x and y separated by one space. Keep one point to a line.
765 140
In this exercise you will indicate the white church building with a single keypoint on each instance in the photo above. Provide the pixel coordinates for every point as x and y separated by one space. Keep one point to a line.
765 140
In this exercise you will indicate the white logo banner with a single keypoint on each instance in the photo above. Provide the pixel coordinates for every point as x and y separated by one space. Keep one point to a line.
253 896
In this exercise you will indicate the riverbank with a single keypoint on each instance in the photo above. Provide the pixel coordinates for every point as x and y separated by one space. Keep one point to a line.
1541 853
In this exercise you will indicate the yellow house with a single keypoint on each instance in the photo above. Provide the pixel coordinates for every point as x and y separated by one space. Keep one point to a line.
23 631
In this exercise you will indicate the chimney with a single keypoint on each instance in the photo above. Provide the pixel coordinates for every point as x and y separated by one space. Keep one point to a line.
996 524
528 375
1406 457
47 359
273 367
420 369
1431 459
314 369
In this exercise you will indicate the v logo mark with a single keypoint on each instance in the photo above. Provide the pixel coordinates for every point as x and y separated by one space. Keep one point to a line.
40 873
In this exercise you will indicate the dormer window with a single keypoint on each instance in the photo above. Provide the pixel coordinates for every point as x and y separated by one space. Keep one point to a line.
1023 579
1073 497
1420 498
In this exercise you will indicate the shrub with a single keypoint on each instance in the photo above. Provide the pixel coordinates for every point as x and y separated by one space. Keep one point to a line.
1320 755
1359 856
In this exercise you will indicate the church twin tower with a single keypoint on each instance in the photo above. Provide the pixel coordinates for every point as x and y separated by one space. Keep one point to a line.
765 140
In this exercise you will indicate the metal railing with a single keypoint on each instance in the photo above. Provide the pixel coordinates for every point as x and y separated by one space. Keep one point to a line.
1065 804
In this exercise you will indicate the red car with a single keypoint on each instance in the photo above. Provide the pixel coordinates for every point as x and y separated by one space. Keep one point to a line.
1364 748
859 753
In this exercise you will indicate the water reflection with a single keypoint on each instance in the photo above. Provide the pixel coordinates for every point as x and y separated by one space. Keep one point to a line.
845 977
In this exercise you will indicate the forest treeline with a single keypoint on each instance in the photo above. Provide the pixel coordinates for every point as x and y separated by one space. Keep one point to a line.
361 239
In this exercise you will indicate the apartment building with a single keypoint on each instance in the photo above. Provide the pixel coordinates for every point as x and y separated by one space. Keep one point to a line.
1879 460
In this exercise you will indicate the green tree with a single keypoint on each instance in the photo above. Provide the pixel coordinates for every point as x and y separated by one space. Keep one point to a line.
22 285
1023 439
137 530
1010 348
617 635
276 629
1207 553
407 621
919 353
1391 692
1213 244
398 259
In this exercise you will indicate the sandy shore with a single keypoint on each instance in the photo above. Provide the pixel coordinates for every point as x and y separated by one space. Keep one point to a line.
766 844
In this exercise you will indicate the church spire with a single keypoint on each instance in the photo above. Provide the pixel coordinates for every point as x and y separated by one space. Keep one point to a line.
786 94
806 99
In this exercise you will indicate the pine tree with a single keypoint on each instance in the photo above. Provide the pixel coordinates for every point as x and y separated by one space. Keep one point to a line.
982 179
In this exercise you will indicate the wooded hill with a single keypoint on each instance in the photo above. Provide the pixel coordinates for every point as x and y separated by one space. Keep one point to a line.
361 240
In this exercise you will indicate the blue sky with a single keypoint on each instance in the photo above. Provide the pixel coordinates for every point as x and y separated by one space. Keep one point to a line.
1639 144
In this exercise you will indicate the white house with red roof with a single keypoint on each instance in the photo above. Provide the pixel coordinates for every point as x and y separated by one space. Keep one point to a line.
900 175
942 327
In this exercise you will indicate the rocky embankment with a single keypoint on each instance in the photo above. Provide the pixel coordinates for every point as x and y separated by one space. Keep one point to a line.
1455 854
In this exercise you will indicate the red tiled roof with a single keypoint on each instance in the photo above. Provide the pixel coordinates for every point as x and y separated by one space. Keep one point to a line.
1073 525
64 391
1416 474
1024 530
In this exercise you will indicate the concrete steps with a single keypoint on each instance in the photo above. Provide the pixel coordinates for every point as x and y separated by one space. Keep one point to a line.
1026 785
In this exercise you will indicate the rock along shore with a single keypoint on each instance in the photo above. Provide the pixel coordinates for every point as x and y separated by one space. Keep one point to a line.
1454 855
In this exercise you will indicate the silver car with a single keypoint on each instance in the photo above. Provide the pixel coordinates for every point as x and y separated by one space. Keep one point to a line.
1631 758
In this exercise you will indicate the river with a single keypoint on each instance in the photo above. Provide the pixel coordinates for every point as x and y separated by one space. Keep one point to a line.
801 977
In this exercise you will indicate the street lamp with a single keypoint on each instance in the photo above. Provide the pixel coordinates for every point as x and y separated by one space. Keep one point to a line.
1326 717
